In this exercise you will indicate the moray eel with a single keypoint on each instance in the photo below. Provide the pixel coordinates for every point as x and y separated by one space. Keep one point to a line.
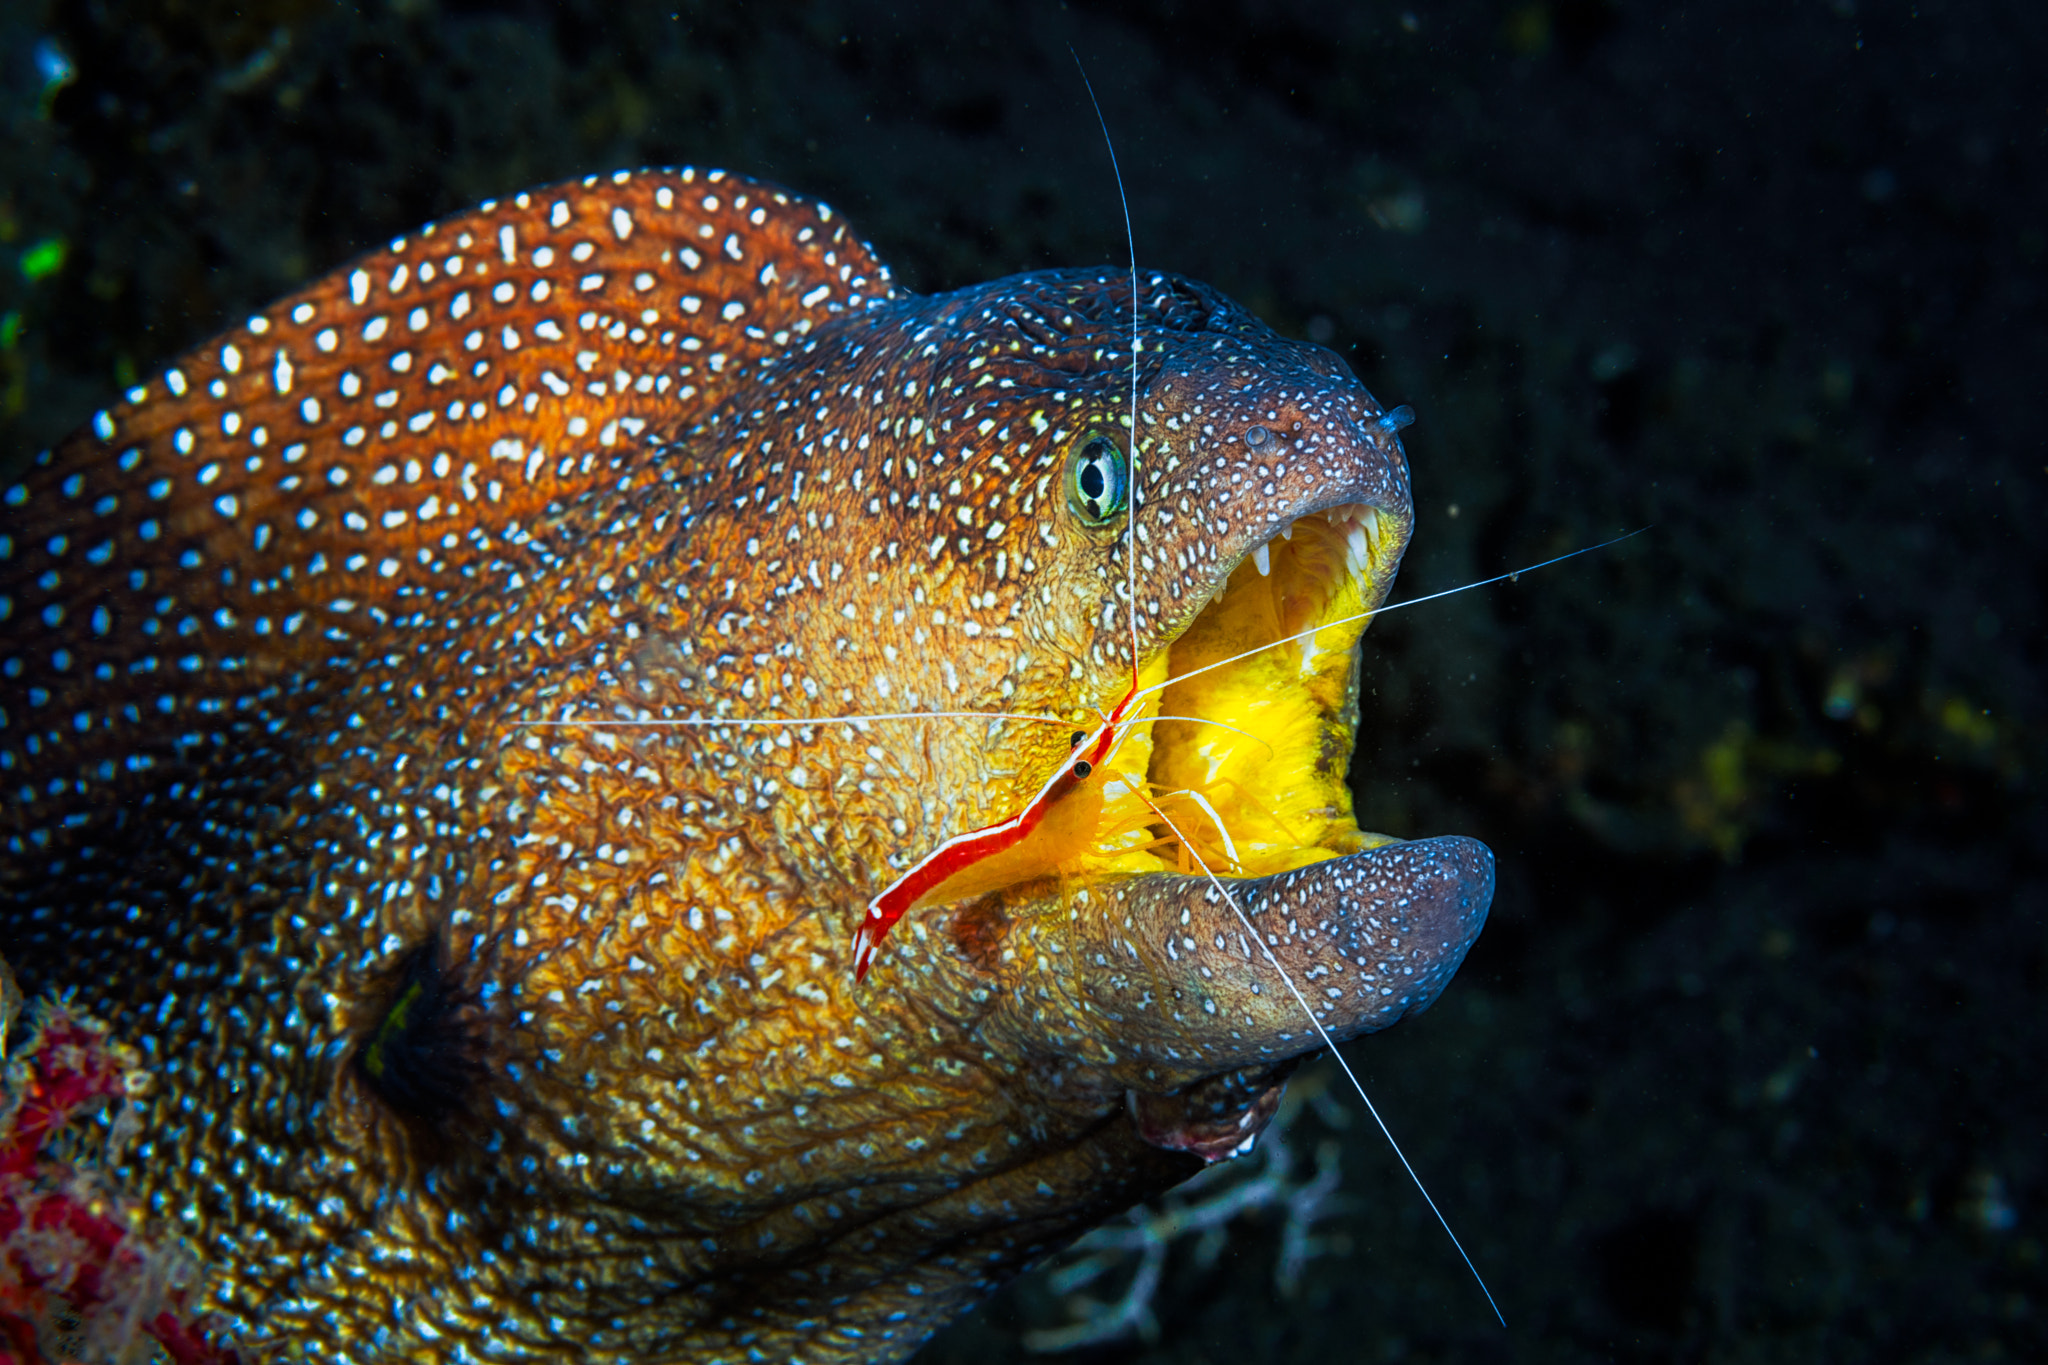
478 1039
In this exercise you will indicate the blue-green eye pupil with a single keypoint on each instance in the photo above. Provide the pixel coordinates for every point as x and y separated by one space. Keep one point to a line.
1099 475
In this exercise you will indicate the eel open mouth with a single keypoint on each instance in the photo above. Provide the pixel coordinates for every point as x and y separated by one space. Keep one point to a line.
1153 974
1234 763
1252 781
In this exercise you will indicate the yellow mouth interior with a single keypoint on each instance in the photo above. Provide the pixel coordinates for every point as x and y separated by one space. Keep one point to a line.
1243 771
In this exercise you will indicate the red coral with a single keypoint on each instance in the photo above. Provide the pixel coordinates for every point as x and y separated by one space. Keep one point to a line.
81 1278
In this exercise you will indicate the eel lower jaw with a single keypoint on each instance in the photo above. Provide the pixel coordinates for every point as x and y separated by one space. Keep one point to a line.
1156 982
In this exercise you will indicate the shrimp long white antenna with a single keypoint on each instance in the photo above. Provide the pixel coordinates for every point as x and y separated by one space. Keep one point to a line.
786 722
1131 476
1331 1044
773 722
741 723
1507 577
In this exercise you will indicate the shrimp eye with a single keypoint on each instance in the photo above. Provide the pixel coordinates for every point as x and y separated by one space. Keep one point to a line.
1083 767
1074 740
1098 478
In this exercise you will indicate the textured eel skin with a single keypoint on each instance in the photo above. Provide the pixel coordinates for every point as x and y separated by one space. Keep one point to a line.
476 1040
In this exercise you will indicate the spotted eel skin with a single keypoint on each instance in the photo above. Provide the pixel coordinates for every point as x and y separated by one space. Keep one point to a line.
477 1040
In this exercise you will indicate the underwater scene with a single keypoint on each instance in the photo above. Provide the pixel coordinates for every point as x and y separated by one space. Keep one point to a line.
773 740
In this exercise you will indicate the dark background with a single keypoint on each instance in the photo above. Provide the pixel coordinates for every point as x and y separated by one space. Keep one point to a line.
1745 1066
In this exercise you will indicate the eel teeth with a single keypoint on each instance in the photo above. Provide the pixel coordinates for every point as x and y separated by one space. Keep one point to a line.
1358 547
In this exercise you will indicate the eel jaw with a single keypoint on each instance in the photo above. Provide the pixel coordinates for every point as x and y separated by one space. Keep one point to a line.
1243 853
1155 982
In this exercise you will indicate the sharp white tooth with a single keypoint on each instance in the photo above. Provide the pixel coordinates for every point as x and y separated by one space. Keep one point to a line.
1287 531
1357 546
1265 563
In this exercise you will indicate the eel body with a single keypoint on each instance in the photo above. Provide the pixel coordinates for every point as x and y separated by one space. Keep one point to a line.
481 1039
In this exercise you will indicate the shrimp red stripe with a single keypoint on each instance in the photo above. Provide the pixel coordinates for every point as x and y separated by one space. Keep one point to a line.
963 851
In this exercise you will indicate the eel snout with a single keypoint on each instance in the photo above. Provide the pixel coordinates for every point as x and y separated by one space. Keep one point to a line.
1156 982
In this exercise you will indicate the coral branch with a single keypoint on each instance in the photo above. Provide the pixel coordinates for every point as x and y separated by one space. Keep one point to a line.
1203 1210
79 1271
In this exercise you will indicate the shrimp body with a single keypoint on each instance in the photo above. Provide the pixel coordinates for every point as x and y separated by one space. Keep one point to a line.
1054 826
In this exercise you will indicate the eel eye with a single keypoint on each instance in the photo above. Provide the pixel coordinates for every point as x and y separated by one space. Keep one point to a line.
1098 478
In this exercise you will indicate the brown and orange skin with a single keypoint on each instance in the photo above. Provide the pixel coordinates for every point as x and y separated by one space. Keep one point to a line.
651 1116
